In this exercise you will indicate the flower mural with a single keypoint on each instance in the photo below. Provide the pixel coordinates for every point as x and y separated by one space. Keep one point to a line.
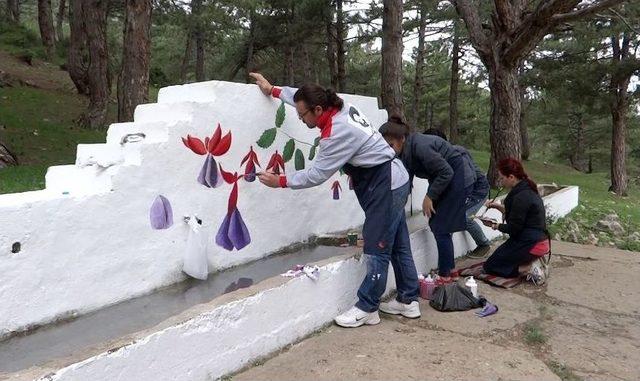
233 232
250 170
216 145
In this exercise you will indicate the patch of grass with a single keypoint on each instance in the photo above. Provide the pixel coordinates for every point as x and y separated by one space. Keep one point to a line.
23 178
534 335
23 41
38 127
18 39
563 372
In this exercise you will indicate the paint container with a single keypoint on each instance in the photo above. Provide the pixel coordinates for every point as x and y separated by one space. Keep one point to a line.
427 286
352 238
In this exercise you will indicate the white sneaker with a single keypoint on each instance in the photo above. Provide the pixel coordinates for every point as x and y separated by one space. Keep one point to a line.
356 317
394 307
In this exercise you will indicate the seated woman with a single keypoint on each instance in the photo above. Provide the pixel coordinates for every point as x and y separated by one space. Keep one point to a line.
525 223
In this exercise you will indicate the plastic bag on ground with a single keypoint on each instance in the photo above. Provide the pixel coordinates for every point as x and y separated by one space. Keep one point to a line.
453 297
196 264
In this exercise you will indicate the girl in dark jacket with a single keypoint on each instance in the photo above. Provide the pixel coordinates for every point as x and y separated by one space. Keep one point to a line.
524 215
433 158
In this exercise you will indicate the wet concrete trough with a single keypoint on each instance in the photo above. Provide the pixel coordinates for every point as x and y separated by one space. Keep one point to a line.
70 339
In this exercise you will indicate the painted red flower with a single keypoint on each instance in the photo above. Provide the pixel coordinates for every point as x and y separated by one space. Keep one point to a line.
250 170
276 163
216 145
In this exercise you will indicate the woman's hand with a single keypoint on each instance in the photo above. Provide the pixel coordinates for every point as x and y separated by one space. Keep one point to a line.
262 83
427 207
495 205
489 223
269 179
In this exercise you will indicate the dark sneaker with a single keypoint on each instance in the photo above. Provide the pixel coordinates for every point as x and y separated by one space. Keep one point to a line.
480 251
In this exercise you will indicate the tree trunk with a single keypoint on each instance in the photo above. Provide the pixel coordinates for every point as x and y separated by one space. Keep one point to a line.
418 83
430 113
619 106
288 65
453 88
331 51
340 39
95 15
78 61
505 117
392 57
524 132
200 76
196 11
619 180
306 61
62 6
186 59
133 84
45 22
250 46
577 157
289 49
13 11
7 159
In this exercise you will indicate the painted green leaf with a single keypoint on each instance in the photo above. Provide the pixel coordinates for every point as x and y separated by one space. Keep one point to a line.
312 153
316 142
267 138
287 153
280 115
341 171
299 161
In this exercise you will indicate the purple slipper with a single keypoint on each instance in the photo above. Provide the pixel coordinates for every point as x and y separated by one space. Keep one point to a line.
489 309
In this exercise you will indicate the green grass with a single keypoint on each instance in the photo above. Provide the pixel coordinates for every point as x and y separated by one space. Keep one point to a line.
563 372
38 126
534 335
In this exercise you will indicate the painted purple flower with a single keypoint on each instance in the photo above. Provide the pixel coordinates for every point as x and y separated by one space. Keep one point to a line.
209 175
233 232
161 214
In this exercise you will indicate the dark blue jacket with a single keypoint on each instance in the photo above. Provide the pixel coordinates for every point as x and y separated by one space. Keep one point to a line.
427 156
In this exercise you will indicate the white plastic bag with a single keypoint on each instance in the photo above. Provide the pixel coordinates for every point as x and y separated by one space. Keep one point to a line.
195 256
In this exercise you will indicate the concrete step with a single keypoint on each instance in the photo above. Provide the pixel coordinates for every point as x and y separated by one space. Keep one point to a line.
75 180
132 133
165 112
102 155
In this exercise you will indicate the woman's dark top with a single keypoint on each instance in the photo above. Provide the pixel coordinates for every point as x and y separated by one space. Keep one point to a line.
428 157
524 209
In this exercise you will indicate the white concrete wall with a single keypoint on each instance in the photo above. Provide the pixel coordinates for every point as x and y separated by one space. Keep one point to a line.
86 240
228 337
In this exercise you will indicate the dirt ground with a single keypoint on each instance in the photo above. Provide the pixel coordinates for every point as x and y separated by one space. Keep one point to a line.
583 325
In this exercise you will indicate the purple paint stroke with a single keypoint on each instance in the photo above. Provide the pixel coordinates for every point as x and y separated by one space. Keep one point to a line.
161 214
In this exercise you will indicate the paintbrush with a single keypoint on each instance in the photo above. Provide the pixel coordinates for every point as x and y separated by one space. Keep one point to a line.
492 200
